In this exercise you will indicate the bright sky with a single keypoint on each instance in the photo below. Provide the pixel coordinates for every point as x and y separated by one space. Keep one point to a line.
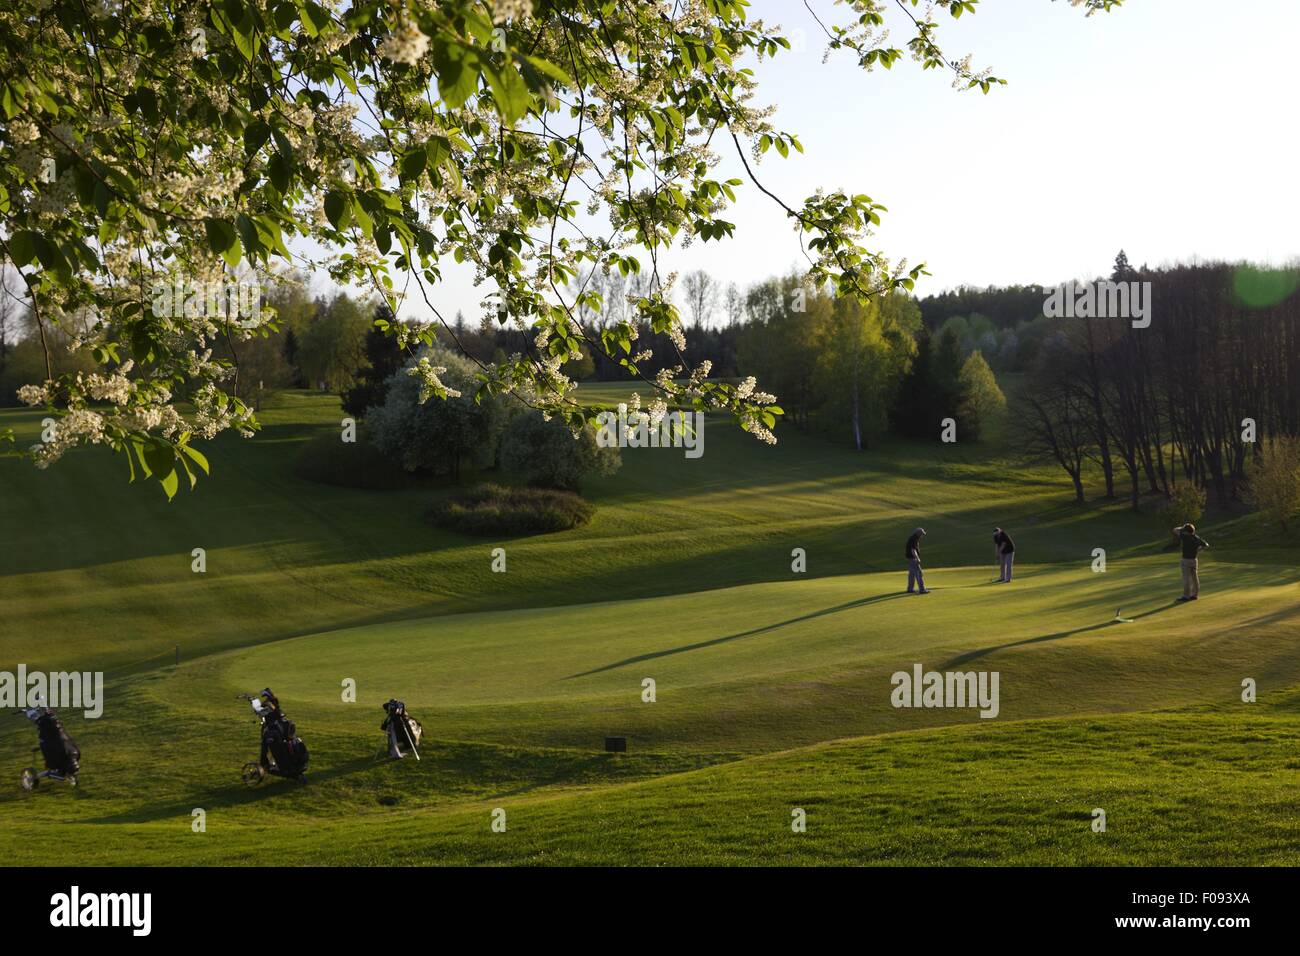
1164 127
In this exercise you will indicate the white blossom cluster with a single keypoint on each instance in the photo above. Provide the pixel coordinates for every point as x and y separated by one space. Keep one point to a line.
430 385
406 44
503 10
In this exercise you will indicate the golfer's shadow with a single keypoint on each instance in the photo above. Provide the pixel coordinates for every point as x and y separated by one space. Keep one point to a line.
985 651
700 645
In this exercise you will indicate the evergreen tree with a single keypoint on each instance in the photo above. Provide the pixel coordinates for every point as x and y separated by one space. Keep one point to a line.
913 412
948 390
384 358
1122 271
932 389
291 358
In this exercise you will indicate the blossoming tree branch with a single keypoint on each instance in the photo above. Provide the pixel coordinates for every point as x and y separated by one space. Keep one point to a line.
147 141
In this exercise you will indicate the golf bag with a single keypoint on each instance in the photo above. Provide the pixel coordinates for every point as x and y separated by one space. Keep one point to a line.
61 754
284 753
404 731
286 749
59 750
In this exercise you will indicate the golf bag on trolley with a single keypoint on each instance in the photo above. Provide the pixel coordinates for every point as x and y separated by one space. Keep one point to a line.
284 753
61 754
404 731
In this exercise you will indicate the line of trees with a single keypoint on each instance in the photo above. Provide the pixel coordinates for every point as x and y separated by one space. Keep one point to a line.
793 348
1004 323
1002 307
320 343
839 367
855 371
1191 398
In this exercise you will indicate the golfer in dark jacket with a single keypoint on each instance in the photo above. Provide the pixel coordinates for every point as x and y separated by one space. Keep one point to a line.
1006 552
1191 546
915 579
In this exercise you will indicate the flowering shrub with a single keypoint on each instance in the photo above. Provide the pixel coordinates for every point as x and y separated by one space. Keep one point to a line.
548 455
437 438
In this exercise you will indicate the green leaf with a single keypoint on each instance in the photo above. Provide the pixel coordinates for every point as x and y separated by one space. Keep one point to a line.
49 255
283 145
387 200
244 33
338 209
189 472
278 170
315 18
285 15
248 235
549 69
256 134
222 240
438 149
22 247
196 456
268 231
510 90
101 198
413 163
159 461
457 69
363 220
170 483
10 101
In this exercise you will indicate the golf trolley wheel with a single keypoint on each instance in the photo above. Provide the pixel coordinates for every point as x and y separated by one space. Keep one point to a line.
29 780
252 774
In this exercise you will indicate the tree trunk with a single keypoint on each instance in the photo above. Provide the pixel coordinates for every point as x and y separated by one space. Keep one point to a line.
857 426
1098 414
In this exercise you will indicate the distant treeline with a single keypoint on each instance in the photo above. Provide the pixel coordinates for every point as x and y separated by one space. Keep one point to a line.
1005 307
839 367
1005 323
1176 402
1180 400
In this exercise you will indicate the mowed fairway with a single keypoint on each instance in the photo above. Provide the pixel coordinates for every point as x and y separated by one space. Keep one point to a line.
772 689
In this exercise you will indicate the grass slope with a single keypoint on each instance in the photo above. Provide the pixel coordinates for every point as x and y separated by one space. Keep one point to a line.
287 557
772 687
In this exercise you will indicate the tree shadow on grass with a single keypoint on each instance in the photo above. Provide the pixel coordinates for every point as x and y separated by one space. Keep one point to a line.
985 651
1276 617
699 645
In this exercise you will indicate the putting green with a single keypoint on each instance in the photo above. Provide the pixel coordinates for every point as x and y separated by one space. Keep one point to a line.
767 666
